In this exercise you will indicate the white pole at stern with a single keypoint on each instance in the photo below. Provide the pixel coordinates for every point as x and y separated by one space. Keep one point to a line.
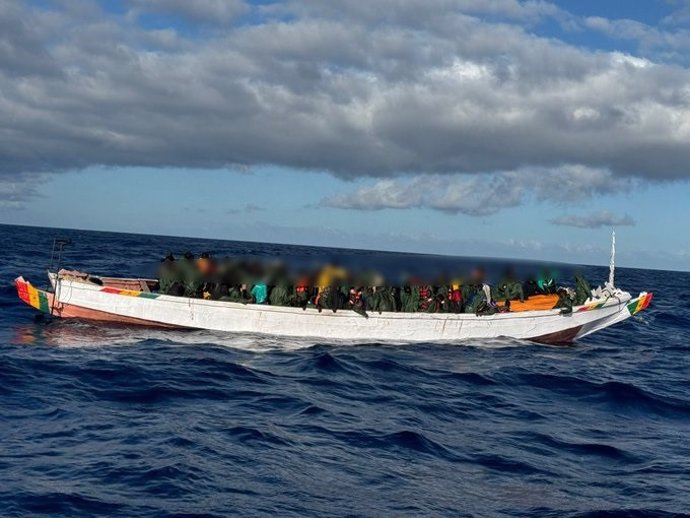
612 263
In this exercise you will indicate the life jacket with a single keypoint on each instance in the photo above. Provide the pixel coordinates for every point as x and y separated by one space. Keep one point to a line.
424 297
355 298
455 295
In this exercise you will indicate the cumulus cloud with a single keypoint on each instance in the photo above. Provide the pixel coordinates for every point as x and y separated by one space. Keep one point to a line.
482 195
599 219
206 11
379 88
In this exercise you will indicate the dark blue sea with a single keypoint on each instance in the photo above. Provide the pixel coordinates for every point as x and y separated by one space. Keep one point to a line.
116 421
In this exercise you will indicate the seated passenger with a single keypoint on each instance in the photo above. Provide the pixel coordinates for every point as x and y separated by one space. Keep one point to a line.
426 299
205 265
565 301
509 288
301 293
385 299
409 298
259 293
190 276
480 301
454 298
167 275
328 297
546 283
355 301
328 285
583 290
440 301
280 295
542 285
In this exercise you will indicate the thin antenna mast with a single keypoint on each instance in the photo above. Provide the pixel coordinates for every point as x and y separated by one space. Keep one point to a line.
612 263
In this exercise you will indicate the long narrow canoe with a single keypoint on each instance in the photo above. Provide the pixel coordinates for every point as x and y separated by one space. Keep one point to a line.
131 302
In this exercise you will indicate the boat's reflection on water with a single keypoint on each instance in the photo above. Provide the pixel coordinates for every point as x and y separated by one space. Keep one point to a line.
60 333
76 333
83 334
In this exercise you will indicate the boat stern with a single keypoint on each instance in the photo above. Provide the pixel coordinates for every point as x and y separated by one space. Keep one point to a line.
38 299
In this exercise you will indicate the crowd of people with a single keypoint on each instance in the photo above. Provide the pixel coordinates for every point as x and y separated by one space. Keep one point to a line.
333 288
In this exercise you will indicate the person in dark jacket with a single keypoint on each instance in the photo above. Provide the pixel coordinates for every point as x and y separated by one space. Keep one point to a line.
565 301
190 275
167 275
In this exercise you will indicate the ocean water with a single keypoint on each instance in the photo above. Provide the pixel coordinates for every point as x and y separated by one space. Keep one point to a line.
114 421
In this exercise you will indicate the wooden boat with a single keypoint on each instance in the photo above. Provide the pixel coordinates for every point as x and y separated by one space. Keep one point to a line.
132 302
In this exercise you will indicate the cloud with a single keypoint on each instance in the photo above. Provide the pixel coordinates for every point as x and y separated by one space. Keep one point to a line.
599 219
249 208
359 89
17 190
670 43
482 195
205 11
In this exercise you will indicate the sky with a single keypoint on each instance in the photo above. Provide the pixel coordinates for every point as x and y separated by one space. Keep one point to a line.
506 128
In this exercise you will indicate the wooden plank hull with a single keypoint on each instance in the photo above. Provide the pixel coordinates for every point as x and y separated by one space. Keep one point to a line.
78 298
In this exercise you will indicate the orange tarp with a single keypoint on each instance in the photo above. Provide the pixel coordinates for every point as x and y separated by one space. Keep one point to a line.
534 303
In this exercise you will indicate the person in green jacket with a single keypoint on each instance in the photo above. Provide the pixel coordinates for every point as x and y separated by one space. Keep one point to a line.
583 290
409 298
280 295
380 298
386 299
509 290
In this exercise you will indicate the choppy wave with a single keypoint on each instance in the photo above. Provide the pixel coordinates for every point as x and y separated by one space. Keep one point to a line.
114 421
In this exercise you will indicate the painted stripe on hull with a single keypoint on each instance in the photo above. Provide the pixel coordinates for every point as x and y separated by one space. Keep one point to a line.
43 301
72 311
